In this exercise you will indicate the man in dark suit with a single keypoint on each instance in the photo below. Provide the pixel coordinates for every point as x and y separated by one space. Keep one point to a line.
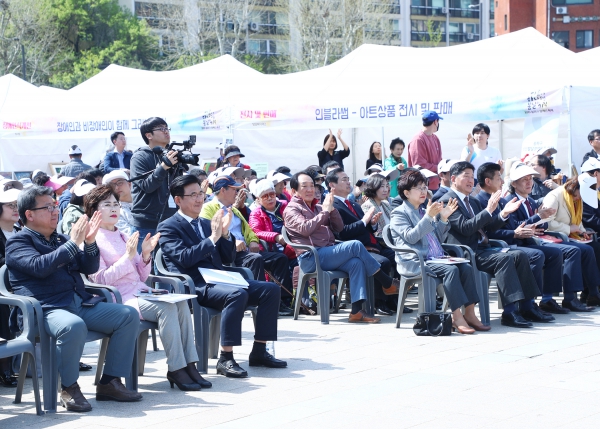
511 268
119 158
360 226
577 258
188 243
46 266
546 262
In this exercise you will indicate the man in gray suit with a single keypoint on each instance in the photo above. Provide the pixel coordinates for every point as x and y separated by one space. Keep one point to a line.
515 279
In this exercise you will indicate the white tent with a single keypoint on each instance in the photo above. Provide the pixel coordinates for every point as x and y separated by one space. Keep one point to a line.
374 93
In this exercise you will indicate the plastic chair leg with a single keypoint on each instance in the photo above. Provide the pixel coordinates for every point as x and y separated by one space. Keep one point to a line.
154 344
49 374
484 299
201 333
369 304
36 385
22 375
323 287
142 346
131 381
302 281
341 284
214 336
402 292
101 359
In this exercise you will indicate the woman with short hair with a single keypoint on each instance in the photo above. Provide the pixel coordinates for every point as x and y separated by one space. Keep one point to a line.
377 191
423 230
122 267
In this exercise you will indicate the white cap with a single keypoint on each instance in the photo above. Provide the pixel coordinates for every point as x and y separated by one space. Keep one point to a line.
74 150
235 171
373 169
425 172
390 174
445 165
9 196
35 173
588 195
520 169
544 149
276 177
16 184
115 174
82 187
262 186
590 164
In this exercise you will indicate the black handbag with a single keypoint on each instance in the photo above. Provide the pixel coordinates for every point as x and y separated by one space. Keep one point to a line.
433 324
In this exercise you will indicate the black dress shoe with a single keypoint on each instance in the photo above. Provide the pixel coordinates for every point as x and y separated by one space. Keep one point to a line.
383 310
284 310
577 306
407 310
182 380
537 307
534 315
553 307
514 319
583 297
230 368
84 367
73 400
593 301
266 359
195 375
7 379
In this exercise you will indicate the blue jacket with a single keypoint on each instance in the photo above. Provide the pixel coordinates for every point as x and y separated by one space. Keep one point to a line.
111 161
439 194
49 275
184 252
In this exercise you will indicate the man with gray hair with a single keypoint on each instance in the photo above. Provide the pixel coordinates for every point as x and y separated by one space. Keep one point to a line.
46 266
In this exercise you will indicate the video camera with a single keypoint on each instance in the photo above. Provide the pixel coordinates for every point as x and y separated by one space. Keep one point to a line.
183 158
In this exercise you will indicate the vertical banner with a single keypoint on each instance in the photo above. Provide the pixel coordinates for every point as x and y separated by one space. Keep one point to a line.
540 132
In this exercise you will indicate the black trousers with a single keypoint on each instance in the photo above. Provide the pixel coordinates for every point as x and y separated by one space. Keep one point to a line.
274 262
512 271
387 261
232 301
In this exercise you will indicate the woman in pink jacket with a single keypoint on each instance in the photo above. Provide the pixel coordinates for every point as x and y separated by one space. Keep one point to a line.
122 267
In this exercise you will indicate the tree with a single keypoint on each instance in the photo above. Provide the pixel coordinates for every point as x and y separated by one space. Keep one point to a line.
29 23
434 32
99 33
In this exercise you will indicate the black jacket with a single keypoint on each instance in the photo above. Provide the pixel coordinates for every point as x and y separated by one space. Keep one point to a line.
150 194
591 153
184 252
463 228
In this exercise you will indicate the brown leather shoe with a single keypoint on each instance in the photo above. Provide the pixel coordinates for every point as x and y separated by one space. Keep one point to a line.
73 400
394 289
362 317
115 391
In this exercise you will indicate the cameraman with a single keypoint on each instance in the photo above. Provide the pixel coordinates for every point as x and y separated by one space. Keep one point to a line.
151 201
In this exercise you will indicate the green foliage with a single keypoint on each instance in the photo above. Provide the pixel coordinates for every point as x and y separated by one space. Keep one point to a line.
99 33
434 32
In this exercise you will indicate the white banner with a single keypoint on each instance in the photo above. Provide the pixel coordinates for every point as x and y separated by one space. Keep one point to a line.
540 132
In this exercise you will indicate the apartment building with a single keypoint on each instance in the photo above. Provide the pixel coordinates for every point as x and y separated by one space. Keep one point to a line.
574 24
270 26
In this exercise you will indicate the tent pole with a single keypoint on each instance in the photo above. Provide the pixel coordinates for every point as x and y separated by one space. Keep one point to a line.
354 157
570 154
501 136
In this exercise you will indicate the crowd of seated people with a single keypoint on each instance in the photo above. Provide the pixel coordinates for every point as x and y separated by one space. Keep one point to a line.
97 223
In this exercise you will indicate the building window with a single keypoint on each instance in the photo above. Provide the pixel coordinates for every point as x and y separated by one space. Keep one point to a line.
505 22
569 2
562 38
584 39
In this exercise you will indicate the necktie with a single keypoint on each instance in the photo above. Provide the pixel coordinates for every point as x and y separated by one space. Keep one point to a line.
196 226
529 208
349 204
484 237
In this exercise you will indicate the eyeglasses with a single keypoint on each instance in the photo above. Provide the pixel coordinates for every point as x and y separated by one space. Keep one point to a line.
11 206
269 195
107 206
118 183
195 195
163 129
421 189
51 209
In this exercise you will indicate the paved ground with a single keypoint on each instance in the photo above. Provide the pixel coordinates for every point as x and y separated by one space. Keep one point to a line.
355 376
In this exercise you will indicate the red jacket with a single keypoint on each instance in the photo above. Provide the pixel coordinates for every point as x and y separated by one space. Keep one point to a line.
261 224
